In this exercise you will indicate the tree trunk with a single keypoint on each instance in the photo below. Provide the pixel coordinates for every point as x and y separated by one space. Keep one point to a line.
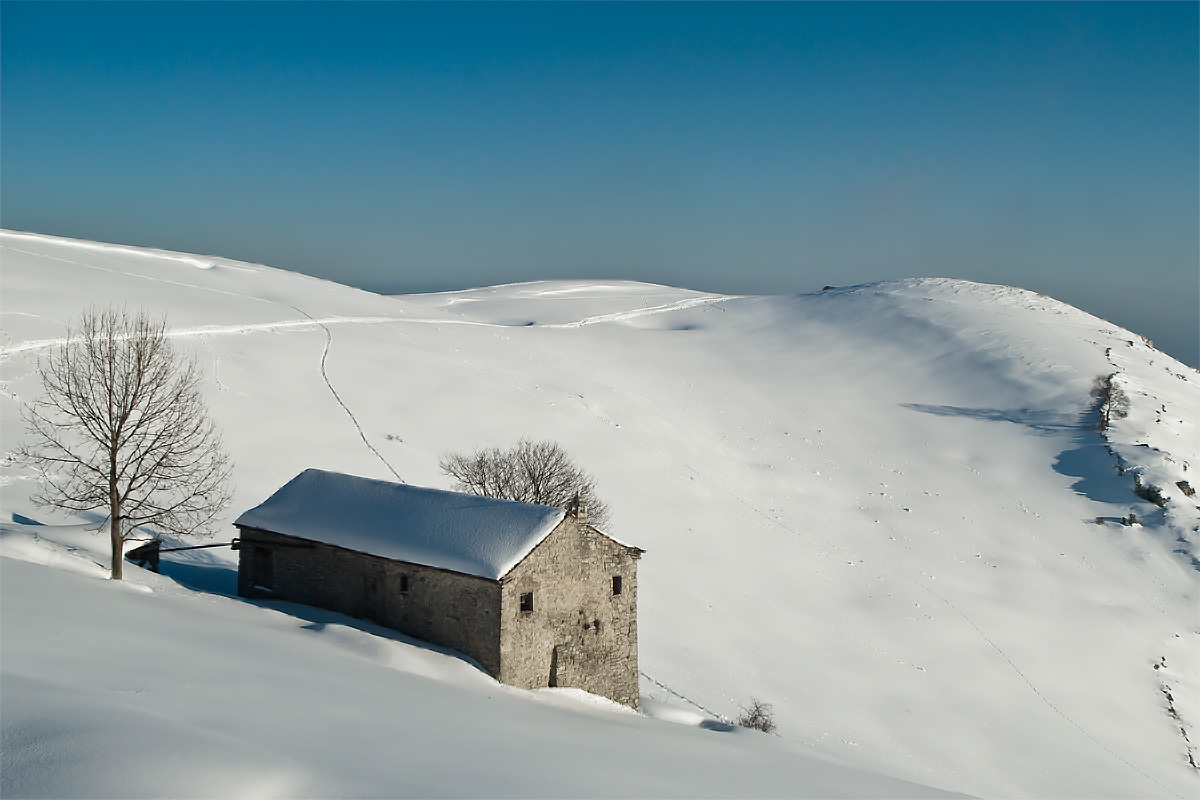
118 540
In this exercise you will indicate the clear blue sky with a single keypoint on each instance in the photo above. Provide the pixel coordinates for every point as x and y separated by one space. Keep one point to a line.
757 148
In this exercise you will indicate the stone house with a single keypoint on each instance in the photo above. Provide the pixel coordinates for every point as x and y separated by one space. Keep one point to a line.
534 594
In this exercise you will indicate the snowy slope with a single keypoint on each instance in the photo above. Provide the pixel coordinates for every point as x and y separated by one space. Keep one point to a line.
874 507
151 690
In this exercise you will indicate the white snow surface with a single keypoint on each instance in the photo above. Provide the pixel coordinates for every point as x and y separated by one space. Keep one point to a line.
473 535
884 509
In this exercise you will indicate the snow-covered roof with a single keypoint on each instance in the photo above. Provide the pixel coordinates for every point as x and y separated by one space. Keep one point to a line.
461 532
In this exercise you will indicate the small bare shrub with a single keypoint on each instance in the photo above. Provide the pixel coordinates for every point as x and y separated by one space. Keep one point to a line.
1149 492
758 715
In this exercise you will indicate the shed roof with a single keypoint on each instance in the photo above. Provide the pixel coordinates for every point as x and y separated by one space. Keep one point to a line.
460 532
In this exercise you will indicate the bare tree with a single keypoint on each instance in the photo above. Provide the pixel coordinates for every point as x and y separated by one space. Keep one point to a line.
123 426
532 472
1111 401
758 716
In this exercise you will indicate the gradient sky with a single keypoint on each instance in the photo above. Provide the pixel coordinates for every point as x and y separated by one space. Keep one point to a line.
745 147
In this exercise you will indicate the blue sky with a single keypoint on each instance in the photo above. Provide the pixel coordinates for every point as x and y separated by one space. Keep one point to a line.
744 147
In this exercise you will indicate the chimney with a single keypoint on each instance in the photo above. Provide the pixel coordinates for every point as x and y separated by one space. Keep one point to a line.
577 508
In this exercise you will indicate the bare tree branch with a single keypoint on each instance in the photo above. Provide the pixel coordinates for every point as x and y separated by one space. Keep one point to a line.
122 425
532 472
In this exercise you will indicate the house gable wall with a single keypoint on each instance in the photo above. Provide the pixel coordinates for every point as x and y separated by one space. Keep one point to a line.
579 634
446 608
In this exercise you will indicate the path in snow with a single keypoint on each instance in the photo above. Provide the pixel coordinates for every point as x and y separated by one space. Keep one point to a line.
620 316
685 699
155 279
341 402
310 321
199 262
204 332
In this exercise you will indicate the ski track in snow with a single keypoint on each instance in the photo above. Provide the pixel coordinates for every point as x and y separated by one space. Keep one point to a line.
621 316
216 359
218 330
685 699
194 262
310 321
197 261
342 403
205 332
41 344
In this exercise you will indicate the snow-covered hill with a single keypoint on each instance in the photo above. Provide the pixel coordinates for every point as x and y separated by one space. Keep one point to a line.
885 509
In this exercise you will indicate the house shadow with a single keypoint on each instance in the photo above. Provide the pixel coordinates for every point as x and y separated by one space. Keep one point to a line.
318 619
210 578
220 578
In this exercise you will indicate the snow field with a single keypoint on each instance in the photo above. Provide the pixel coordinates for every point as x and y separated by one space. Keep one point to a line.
873 507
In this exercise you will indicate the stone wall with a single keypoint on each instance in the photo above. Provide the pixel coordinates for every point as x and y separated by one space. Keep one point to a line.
579 633
446 608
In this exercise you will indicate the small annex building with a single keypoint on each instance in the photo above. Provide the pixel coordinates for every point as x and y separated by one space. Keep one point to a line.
534 594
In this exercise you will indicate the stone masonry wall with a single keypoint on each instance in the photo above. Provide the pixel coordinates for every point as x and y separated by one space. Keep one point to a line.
446 608
579 634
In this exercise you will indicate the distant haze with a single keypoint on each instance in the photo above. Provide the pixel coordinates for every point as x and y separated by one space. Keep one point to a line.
742 148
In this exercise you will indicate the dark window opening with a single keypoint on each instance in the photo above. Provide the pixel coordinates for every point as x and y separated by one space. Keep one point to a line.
616 584
527 602
554 666
263 572
403 584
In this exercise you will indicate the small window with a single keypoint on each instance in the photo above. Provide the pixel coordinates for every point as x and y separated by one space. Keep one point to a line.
527 603
403 584
616 584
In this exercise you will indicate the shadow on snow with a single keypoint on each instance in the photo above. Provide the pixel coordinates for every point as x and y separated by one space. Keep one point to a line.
1035 419
1088 459
220 578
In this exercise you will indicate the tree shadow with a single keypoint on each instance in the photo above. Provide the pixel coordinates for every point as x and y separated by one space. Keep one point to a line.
1088 459
1039 420
1094 468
